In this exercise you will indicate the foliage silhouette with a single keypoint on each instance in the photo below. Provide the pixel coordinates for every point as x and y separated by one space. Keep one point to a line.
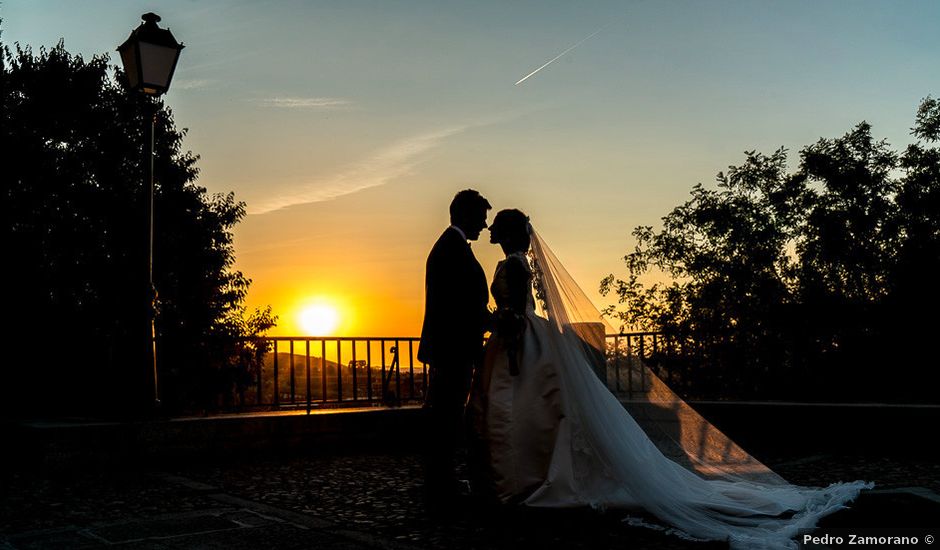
818 284
74 228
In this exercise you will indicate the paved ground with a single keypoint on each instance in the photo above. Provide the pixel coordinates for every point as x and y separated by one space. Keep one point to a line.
351 500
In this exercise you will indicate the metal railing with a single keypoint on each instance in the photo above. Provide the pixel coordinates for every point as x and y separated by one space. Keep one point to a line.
626 355
307 372
323 372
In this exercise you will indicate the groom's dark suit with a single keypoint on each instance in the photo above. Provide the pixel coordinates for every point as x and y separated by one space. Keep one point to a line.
455 316
455 304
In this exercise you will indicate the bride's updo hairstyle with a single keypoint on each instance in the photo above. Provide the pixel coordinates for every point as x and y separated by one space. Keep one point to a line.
511 227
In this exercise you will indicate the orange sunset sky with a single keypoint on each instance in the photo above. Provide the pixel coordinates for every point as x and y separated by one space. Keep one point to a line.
347 127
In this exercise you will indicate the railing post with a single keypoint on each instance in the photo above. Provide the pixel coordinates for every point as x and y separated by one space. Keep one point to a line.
656 353
670 352
339 371
617 361
384 396
277 393
397 371
355 392
411 367
369 369
292 380
630 366
307 342
323 368
642 362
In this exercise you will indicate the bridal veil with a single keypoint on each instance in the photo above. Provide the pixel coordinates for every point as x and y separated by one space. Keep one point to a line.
648 448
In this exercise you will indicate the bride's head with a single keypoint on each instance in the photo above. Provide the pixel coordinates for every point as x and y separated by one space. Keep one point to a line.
510 230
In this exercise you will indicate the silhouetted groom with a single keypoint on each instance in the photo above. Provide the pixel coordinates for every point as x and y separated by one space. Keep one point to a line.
455 316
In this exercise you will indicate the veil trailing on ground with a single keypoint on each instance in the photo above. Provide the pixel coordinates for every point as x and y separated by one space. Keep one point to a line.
678 431
647 448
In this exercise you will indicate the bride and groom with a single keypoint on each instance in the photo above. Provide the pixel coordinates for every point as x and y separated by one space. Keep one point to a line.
544 429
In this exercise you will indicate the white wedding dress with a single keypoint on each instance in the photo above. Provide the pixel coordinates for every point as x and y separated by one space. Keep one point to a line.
555 436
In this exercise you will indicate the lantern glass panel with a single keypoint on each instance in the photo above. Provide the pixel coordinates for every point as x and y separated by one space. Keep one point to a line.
129 59
157 64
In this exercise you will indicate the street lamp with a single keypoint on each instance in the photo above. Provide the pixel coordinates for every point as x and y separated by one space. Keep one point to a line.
149 56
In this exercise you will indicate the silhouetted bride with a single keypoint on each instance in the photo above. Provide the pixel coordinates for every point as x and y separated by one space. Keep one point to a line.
555 436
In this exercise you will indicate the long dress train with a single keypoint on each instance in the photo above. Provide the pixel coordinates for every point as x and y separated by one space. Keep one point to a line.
557 437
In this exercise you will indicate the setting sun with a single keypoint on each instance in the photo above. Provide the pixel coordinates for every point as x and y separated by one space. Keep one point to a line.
319 320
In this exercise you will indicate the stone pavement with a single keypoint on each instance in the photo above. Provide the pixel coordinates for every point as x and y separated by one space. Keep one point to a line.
352 499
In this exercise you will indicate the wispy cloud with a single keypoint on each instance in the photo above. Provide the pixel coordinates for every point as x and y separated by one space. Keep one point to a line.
191 84
306 102
399 158
393 161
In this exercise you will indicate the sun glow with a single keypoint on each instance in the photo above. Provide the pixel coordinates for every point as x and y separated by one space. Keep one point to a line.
319 320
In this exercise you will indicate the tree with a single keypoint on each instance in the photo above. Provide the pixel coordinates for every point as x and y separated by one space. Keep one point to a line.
804 285
74 227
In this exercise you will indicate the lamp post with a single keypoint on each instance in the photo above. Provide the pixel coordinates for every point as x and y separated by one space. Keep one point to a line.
149 56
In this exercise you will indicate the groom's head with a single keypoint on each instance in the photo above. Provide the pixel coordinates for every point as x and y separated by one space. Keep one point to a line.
468 212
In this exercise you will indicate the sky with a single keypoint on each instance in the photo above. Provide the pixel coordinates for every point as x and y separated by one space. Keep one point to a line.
347 127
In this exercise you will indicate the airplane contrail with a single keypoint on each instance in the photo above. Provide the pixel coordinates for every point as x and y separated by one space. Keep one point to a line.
557 57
